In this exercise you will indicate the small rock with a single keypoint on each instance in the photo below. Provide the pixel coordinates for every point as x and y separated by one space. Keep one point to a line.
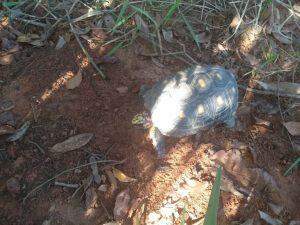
46 222
19 162
165 221
13 186
7 118
6 59
103 188
295 222
191 182
6 105
153 217
167 210
265 107
183 192
109 21
122 89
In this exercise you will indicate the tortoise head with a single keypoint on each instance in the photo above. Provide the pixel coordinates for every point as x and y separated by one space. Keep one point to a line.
143 119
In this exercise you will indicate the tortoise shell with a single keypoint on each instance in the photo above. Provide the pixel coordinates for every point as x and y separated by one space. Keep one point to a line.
192 100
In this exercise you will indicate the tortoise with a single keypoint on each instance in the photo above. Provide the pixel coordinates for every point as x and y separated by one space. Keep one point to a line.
187 102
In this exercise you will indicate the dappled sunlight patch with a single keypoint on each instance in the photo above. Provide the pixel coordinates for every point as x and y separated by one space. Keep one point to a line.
57 85
250 38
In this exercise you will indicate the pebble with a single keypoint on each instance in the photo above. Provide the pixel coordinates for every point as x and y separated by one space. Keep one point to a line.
7 118
167 210
13 186
191 182
165 221
103 188
6 105
183 192
153 217
122 89
19 162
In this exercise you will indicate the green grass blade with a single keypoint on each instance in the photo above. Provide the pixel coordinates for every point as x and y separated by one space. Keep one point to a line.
191 30
121 22
213 205
122 11
143 12
294 165
115 48
183 216
171 11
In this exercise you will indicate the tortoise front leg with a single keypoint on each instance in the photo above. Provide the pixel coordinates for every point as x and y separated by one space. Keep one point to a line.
158 141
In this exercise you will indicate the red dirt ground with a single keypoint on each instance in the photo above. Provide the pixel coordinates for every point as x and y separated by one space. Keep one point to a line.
97 107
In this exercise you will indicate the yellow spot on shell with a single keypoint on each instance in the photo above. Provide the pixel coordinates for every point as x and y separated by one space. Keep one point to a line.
200 109
219 76
220 101
181 115
201 83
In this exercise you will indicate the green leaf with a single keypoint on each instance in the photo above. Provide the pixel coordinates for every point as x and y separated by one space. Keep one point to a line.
171 11
213 205
294 165
143 12
191 30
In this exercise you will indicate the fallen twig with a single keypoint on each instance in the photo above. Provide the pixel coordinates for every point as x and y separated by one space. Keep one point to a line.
268 92
66 171
85 51
37 145
66 185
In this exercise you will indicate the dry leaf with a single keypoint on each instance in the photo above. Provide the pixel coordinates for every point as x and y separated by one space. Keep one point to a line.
23 39
112 179
60 43
72 143
122 205
276 208
74 81
269 219
95 171
248 222
293 128
203 37
251 59
141 24
283 38
20 132
168 35
121 176
91 198
6 129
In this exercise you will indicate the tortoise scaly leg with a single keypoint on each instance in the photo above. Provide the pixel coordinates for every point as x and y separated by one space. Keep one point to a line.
158 141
